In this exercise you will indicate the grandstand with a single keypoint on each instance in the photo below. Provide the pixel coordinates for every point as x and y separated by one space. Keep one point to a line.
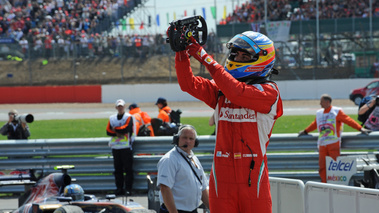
294 10
69 42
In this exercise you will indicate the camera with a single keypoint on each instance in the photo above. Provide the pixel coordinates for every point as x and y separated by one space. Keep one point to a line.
181 30
24 118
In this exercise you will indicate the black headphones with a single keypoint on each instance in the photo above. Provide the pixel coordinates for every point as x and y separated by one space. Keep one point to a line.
175 139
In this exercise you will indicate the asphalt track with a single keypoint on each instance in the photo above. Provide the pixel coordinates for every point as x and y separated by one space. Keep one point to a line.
189 109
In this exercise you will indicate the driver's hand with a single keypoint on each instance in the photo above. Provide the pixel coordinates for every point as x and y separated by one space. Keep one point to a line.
194 49
168 29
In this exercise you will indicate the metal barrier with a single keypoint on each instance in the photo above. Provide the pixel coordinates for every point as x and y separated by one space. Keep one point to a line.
287 195
328 198
94 164
290 195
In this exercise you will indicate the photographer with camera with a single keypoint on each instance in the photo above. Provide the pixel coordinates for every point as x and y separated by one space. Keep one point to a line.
246 105
17 127
368 112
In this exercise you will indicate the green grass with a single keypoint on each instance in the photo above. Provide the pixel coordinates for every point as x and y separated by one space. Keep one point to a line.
89 128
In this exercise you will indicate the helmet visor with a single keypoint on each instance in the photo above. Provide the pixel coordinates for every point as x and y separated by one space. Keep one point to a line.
241 41
241 55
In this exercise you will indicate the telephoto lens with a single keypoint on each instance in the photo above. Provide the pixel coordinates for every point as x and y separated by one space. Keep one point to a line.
25 118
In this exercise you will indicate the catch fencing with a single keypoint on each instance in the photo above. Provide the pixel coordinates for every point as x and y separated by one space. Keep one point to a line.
289 156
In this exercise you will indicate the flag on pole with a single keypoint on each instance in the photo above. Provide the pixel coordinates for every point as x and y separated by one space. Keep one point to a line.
224 15
185 13
141 26
205 18
131 22
194 12
174 16
157 20
123 22
168 19
213 11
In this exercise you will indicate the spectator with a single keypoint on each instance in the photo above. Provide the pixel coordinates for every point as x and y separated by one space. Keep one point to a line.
147 46
25 46
122 128
91 50
375 69
368 112
143 121
160 44
15 129
48 46
98 44
67 18
329 122
105 45
83 44
67 47
181 177
38 46
164 110
61 45
18 34
137 45
129 50
283 10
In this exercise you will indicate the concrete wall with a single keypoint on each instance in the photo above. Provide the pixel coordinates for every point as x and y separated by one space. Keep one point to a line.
51 94
142 93
290 90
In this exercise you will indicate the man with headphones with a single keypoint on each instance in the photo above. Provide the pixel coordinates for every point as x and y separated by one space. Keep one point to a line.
181 177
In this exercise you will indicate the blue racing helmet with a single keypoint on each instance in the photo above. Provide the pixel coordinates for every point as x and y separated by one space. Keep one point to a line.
74 191
261 51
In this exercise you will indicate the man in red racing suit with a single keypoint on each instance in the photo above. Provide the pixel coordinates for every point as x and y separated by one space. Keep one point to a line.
244 115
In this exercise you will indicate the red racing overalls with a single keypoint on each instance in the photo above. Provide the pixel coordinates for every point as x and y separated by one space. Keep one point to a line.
244 117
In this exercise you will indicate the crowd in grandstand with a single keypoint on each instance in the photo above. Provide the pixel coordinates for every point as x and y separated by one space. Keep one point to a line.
55 17
138 46
94 45
64 27
253 11
68 27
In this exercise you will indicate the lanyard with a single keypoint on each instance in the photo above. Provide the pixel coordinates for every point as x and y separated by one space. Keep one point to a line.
189 163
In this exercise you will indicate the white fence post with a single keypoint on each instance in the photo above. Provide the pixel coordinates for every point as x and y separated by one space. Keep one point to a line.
287 195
